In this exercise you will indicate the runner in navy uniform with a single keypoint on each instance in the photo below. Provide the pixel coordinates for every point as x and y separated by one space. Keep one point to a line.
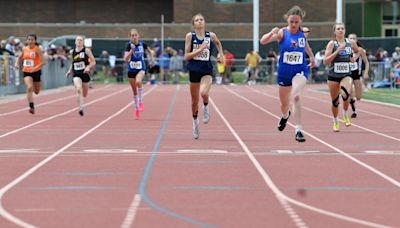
82 62
198 48
358 69
339 55
134 57
292 68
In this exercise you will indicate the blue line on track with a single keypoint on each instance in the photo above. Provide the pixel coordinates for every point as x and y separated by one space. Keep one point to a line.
147 171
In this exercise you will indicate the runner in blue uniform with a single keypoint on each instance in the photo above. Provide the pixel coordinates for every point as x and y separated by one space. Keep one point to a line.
292 67
134 57
82 63
198 48
338 54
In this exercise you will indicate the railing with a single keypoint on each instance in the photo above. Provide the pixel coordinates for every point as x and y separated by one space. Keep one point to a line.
11 80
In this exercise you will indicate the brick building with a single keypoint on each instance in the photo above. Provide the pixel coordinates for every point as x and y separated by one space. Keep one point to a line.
230 19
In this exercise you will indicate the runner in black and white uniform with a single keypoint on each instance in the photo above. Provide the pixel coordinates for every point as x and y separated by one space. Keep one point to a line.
82 63
339 55
359 69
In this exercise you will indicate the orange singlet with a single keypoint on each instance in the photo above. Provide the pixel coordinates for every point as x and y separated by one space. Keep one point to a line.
31 59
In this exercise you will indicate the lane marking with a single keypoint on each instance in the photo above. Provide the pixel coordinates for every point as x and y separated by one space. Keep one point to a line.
44 103
109 151
21 150
366 100
61 114
133 208
201 151
330 117
372 169
272 185
4 213
279 195
358 109
149 166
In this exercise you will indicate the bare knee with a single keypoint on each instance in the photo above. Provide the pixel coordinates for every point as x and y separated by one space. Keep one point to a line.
29 89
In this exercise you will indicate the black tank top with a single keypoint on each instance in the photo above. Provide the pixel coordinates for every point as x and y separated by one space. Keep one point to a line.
79 61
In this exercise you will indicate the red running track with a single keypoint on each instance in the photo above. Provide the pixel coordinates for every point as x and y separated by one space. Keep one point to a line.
107 170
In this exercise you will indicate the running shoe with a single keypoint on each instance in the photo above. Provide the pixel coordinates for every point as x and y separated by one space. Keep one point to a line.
300 137
81 112
354 115
206 114
195 130
336 126
136 114
32 110
346 120
282 123
141 106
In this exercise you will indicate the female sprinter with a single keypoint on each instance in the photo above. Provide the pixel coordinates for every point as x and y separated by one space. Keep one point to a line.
359 68
198 48
292 68
82 62
134 56
33 61
338 54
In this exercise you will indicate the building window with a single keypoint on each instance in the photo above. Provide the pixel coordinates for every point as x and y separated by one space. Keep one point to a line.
391 12
233 1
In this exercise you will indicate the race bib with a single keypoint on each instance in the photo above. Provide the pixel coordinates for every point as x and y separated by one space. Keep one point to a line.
28 63
353 66
341 68
135 65
293 58
203 56
79 65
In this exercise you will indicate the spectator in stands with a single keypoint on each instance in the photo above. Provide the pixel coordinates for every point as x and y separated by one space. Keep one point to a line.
271 64
3 48
396 56
164 65
176 65
33 61
10 46
105 64
229 65
252 60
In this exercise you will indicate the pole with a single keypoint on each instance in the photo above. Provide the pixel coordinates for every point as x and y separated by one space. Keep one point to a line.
339 11
256 24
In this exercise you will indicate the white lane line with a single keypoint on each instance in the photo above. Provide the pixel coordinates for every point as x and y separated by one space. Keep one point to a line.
263 173
330 117
200 151
366 100
45 103
277 191
379 173
61 114
358 109
4 213
130 216
107 151
19 150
